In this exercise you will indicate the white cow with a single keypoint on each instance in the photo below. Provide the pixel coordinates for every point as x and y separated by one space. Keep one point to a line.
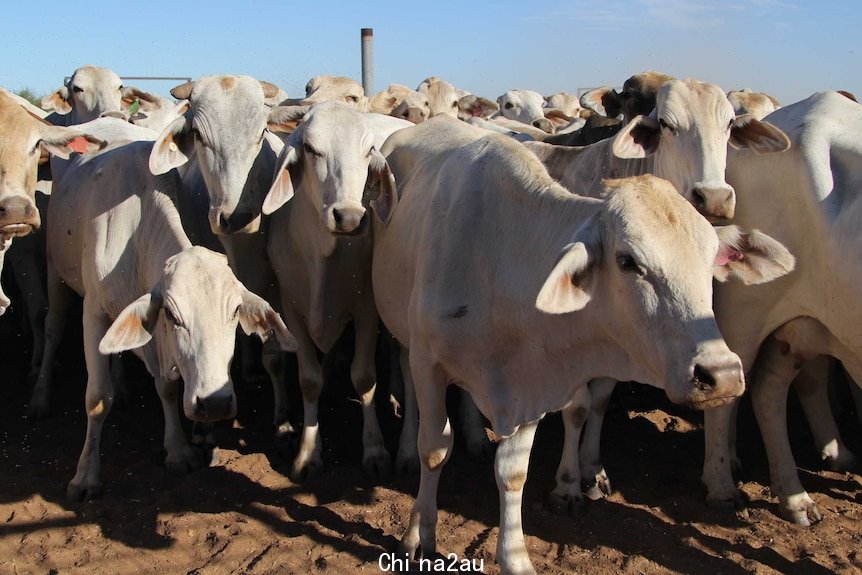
529 107
444 98
26 141
114 237
90 92
596 284
808 198
568 104
685 142
226 158
320 248
756 104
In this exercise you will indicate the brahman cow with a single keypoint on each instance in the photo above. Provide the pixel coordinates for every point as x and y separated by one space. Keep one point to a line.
685 142
494 277
114 236
808 198
320 249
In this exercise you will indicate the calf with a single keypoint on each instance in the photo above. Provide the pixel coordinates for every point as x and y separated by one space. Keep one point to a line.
114 237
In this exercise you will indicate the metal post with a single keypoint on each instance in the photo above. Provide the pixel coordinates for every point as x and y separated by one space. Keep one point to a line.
368 60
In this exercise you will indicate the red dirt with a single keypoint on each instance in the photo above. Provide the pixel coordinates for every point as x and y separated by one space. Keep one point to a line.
243 515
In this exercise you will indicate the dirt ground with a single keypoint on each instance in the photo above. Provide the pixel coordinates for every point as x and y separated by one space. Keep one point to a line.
243 515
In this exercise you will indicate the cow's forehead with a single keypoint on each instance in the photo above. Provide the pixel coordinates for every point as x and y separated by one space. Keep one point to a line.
197 270
333 120
93 75
649 209
223 91
690 98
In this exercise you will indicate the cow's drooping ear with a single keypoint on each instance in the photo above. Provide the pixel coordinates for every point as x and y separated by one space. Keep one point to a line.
604 101
256 316
286 118
557 118
146 101
62 142
381 177
183 91
174 146
570 285
471 106
752 257
134 326
281 189
269 90
57 101
762 137
638 139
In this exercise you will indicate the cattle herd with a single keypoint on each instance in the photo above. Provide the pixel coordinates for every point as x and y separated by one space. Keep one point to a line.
531 251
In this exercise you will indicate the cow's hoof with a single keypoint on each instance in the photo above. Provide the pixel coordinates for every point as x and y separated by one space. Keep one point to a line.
38 409
377 465
410 548
407 465
568 504
844 461
735 504
599 488
800 509
190 459
83 492
284 430
300 473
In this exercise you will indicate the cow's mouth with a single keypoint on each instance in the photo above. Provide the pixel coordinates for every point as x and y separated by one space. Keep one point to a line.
15 230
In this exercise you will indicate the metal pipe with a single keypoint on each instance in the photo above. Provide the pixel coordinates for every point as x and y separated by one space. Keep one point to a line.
368 60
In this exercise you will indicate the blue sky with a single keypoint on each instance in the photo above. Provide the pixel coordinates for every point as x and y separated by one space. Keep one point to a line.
787 48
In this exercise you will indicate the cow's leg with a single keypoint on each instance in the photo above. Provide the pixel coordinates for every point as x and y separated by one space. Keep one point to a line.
181 457
769 387
566 496
308 462
435 447
717 475
5 243
59 297
811 386
407 459
24 256
510 470
479 447
98 401
376 460
273 363
596 483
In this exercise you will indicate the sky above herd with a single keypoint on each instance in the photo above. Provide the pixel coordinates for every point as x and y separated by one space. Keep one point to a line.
790 49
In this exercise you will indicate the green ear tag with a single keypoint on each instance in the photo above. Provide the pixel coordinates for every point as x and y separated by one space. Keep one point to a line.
136 105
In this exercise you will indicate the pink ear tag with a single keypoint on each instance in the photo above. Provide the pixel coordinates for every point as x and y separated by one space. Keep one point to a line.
79 144
726 255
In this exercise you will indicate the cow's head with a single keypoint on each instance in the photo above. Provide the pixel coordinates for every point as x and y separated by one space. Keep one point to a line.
225 127
193 312
332 153
689 131
26 142
91 92
648 259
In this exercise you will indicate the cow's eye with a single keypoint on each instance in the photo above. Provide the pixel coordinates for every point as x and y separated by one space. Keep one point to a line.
310 150
235 314
77 89
509 105
667 126
628 264
353 99
169 315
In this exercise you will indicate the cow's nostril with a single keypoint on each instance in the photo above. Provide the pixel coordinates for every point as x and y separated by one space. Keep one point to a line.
698 199
337 217
703 379
223 223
